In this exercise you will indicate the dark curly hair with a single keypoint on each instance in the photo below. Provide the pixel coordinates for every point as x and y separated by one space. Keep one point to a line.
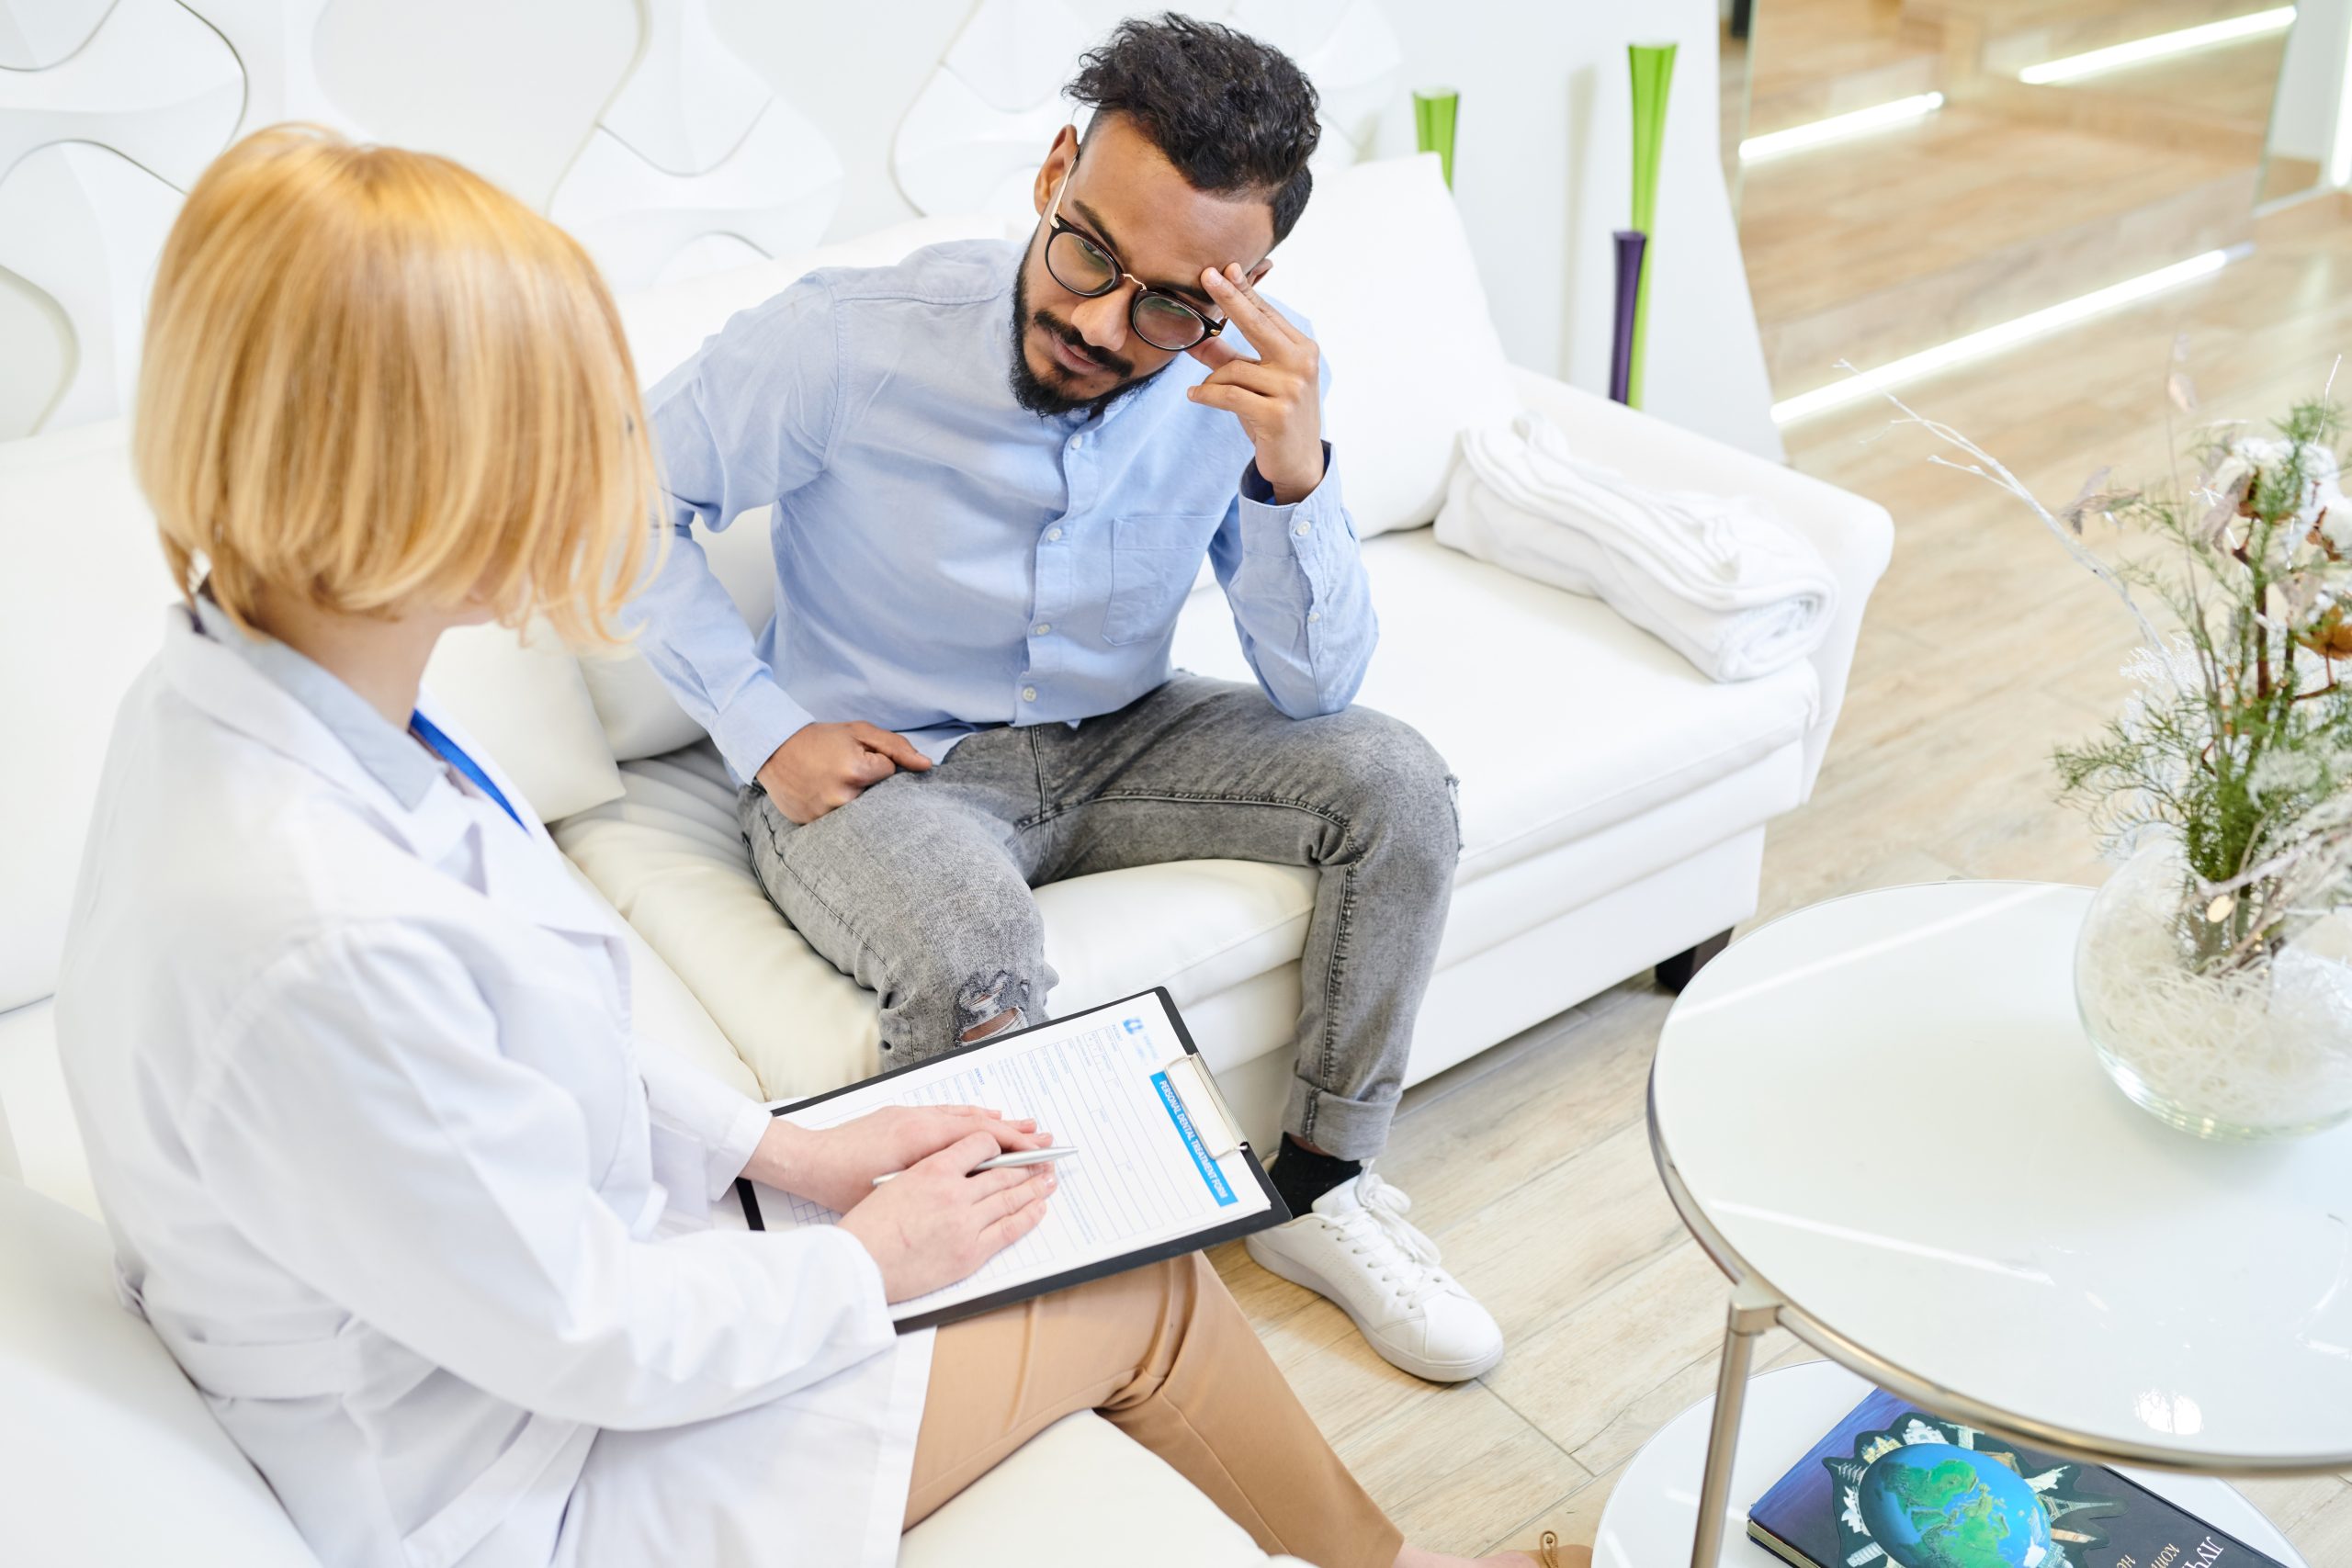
1231 113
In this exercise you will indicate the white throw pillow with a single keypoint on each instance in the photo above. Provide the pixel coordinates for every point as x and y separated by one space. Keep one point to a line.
1380 264
640 717
522 698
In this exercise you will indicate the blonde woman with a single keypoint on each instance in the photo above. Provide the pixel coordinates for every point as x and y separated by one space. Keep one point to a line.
386 1168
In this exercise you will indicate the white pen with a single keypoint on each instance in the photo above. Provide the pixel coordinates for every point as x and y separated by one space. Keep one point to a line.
1001 1162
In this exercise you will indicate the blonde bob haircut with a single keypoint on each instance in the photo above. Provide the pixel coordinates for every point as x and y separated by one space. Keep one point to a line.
374 381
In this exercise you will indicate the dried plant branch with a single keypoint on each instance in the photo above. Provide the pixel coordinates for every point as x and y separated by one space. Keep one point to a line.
1989 468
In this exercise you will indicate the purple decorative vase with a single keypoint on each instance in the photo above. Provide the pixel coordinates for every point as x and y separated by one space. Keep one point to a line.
1631 243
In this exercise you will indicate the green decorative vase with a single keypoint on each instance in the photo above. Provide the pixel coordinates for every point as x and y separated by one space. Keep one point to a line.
1433 113
1653 69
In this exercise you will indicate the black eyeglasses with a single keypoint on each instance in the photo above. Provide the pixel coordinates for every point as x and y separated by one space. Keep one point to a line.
1082 265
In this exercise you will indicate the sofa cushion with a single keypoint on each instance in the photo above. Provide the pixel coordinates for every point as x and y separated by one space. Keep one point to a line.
81 613
1559 716
666 1014
110 1456
1081 1492
668 856
1560 720
1380 264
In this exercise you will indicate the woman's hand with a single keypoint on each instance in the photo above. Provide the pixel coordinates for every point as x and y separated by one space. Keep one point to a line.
940 1220
836 1166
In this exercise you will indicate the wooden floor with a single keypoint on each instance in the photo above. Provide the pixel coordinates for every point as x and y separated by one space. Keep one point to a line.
1983 647
2010 198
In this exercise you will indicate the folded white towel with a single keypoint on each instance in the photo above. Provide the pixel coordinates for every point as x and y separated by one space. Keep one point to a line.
1717 578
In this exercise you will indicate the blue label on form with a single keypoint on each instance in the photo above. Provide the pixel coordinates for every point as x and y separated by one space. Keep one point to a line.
1218 1187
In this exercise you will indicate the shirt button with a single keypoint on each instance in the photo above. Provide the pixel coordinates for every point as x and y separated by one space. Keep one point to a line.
1314 616
1028 694
1078 442
1041 628
1300 530
1052 533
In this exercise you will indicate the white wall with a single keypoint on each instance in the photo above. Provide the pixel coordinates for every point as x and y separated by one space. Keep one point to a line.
2310 82
1543 173
730 128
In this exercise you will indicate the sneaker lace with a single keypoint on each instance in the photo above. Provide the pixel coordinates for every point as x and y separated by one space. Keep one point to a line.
1404 1260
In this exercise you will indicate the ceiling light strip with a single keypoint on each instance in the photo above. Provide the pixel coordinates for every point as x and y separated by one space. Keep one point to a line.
1837 127
2139 51
1992 340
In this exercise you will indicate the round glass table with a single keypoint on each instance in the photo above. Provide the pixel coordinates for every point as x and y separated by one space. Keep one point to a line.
1880 1117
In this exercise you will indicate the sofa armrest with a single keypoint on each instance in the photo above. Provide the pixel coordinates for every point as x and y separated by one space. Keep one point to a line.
1854 536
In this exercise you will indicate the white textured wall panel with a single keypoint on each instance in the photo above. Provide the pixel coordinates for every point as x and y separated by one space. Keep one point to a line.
978 128
1348 52
38 34
678 137
272 40
775 192
510 88
83 225
36 352
696 164
153 83
691 100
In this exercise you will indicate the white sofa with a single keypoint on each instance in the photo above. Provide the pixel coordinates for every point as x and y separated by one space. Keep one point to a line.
1614 804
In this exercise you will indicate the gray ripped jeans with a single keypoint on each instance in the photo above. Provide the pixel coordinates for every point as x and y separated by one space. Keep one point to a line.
918 888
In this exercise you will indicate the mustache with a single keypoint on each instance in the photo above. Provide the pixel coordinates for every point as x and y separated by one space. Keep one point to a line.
1078 342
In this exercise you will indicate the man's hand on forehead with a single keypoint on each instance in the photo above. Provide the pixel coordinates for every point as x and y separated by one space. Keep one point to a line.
1275 396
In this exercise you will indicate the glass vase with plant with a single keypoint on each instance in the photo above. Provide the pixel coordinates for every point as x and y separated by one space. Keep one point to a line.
2215 970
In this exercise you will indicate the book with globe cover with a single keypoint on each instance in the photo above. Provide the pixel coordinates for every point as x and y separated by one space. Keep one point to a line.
1892 1486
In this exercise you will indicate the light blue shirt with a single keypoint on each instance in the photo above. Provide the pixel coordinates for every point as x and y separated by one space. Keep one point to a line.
946 560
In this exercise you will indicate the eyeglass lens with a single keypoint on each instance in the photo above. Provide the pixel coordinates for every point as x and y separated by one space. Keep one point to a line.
1084 267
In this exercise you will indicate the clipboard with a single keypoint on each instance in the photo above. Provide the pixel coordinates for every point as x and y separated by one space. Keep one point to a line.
1196 1117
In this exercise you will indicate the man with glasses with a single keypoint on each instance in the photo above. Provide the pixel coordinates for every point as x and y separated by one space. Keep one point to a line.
996 469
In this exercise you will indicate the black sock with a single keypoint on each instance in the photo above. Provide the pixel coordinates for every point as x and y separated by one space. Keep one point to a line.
1302 1175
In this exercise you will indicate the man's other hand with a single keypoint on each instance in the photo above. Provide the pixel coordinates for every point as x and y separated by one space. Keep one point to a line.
826 765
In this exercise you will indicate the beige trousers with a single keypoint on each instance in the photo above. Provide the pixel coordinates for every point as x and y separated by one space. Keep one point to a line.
1165 1354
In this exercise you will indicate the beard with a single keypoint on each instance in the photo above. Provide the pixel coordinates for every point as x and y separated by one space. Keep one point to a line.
1033 391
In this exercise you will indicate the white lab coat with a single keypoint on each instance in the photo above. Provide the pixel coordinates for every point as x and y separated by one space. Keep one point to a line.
391 1178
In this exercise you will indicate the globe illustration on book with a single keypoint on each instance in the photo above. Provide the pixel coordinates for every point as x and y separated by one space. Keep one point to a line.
1941 1505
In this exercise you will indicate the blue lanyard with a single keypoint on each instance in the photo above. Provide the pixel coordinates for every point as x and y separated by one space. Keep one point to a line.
430 733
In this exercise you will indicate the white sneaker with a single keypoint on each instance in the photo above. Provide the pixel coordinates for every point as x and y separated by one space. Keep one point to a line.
1356 1249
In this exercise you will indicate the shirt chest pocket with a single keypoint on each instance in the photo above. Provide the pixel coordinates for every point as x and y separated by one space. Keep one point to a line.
1155 557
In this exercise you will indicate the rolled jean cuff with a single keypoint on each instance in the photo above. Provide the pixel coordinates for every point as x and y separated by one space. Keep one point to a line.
1343 1128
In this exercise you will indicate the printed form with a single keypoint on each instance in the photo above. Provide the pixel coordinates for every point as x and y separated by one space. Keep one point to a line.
1097 1081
